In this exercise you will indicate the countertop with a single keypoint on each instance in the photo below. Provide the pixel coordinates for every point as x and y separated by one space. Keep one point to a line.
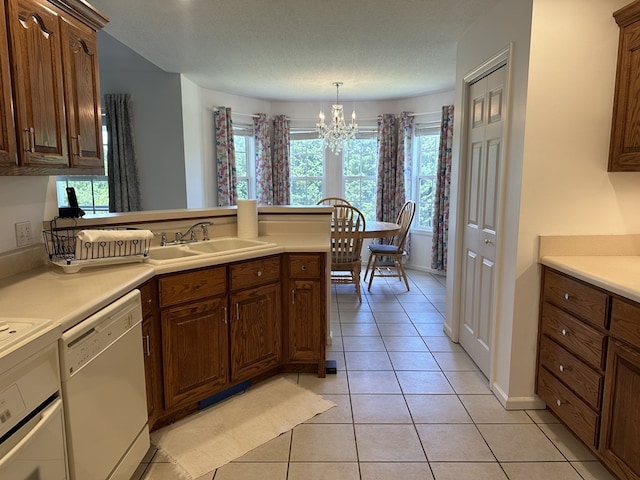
618 274
48 292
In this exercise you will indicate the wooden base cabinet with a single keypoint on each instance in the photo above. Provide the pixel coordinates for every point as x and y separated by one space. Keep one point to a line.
304 321
589 368
209 329
620 437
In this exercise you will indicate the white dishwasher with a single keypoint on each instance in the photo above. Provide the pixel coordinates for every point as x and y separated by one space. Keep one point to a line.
104 395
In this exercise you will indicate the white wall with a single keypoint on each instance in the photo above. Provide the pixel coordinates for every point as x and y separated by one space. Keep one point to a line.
566 189
558 136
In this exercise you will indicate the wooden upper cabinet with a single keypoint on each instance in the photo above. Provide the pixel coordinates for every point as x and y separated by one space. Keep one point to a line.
82 94
37 79
8 148
624 151
50 97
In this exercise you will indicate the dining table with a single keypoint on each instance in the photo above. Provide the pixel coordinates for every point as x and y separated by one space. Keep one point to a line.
376 229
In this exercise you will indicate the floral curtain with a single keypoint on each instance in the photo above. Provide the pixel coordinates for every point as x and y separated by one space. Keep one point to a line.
390 192
225 157
281 161
406 131
441 203
124 184
264 166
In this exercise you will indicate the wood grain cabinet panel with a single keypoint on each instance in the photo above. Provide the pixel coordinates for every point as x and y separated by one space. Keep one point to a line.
624 150
195 350
8 147
82 94
38 86
620 440
255 331
194 285
254 272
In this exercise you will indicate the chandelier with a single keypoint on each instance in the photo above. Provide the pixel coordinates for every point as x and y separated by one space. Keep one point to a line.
337 132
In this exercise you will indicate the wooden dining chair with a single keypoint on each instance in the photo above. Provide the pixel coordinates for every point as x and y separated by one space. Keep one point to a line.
333 201
346 246
394 251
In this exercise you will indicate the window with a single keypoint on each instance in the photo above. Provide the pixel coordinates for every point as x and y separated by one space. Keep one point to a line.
360 171
307 171
243 142
92 190
423 185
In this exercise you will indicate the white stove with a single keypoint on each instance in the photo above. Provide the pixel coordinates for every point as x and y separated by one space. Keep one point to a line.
14 331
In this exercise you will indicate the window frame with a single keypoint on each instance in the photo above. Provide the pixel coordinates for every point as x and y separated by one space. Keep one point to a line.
422 130
246 131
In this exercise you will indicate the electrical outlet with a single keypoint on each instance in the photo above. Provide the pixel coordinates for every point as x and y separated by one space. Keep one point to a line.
24 235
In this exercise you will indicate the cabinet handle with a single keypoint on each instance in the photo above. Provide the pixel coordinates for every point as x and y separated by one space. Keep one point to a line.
562 368
238 311
566 296
564 332
78 146
558 402
31 139
224 313
197 286
303 268
293 296
259 273
147 343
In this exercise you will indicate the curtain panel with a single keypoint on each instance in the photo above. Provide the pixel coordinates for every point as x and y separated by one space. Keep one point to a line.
406 132
264 165
390 191
225 157
443 187
124 184
281 161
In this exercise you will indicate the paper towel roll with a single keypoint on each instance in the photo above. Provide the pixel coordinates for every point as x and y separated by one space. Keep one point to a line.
247 218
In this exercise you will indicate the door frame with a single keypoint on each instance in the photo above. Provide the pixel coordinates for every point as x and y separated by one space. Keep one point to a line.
452 328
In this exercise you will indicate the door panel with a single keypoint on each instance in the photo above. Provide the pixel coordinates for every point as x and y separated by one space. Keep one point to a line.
483 173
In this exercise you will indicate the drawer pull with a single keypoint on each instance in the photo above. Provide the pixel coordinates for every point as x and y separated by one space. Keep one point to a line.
197 286
224 312
564 332
562 368
558 402
566 296
259 273
147 345
303 268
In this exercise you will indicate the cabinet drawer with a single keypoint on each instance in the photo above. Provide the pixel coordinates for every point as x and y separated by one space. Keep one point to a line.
577 337
575 374
584 301
255 272
625 321
305 266
183 287
576 414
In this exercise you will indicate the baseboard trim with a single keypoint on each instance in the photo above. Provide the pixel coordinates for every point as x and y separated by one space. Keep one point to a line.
517 403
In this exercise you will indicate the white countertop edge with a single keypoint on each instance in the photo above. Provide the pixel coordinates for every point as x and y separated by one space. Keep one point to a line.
619 274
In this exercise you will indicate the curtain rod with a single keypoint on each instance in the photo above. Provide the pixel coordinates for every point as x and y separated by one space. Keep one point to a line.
424 113
252 115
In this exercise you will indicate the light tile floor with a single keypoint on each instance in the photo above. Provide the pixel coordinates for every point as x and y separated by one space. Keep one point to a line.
411 405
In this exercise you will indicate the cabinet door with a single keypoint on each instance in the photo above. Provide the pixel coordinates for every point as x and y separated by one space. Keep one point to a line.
195 350
82 94
8 148
305 332
255 331
620 435
37 81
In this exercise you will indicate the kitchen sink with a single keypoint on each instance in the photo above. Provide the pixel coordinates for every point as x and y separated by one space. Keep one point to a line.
171 252
227 245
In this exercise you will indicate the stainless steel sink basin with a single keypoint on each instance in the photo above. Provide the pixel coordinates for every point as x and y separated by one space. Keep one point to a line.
171 252
226 245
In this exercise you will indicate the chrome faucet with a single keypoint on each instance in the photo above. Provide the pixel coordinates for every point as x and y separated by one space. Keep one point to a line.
191 232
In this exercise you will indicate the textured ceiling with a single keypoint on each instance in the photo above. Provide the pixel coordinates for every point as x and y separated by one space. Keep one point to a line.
295 49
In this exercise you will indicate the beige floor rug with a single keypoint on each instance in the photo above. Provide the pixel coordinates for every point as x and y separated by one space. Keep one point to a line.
223 432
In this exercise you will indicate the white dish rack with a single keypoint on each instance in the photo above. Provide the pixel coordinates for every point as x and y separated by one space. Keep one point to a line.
74 248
